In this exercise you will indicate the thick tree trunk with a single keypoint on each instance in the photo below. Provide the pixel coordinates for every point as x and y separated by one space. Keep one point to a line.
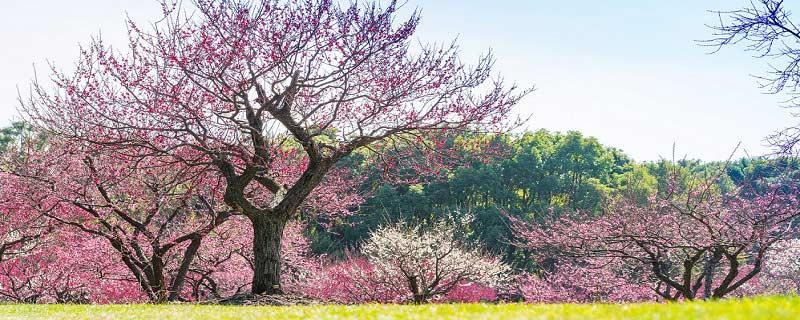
267 234
155 279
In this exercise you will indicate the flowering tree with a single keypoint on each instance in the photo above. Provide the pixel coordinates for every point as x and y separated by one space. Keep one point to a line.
426 263
225 260
153 215
783 262
239 82
691 244
31 278
23 234
586 282
354 280
22 270
20 231
43 262
68 267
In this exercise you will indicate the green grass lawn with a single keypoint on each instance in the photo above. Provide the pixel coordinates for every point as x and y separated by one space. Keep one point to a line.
758 308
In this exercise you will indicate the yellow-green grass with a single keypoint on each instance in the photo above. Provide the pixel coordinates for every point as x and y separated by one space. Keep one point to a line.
755 308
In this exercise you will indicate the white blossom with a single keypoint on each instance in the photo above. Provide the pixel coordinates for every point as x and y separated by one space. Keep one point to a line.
429 262
783 262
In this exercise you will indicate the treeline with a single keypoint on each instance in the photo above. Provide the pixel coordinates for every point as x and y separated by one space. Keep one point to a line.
532 176
540 216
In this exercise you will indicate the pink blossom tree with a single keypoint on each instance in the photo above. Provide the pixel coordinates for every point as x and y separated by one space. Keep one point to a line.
692 244
23 235
69 267
20 230
154 215
240 82
225 261
596 280
355 280
44 262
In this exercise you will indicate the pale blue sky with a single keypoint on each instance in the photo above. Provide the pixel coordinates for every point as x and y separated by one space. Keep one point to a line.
627 72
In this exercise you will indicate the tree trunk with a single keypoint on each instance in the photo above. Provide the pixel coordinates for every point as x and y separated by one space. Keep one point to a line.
418 297
176 287
156 279
712 261
267 234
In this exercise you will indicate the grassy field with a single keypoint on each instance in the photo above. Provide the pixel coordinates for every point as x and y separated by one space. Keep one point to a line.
758 308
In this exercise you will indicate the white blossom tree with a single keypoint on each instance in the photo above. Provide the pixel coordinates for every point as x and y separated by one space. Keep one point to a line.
429 262
783 262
